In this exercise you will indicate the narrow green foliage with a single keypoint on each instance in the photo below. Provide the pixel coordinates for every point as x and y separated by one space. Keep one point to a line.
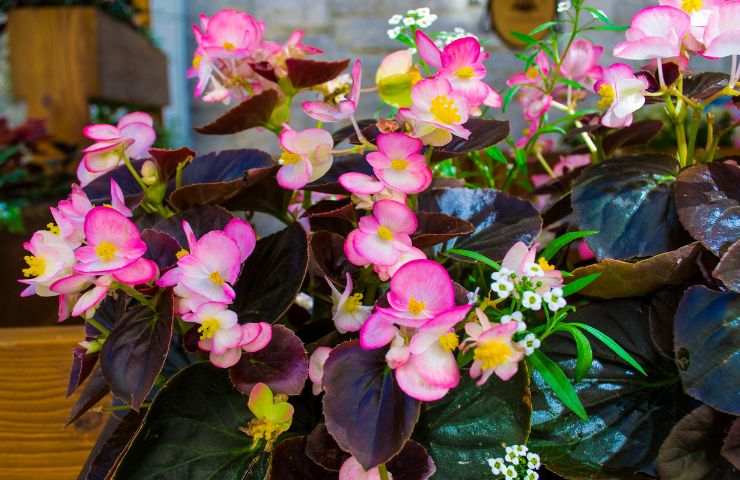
476 256
558 381
613 346
584 354
558 243
509 96
579 284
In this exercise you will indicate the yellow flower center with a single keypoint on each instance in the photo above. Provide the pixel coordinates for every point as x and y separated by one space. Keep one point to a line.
691 6
385 233
208 328
465 72
416 306
353 303
532 73
229 46
544 265
444 110
196 61
106 251
607 94
267 430
289 158
217 279
53 228
493 353
36 266
182 253
449 341
399 164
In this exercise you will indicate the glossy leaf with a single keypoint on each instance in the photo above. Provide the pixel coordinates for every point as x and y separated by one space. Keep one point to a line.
630 202
703 85
327 256
282 365
135 351
304 73
692 449
252 112
217 177
98 191
83 364
471 424
366 412
192 431
731 445
707 346
261 193
639 133
110 445
728 268
629 415
708 201
500 220
437 228
483 134
272 276
290 462
161 248
620 279
94 390
323 450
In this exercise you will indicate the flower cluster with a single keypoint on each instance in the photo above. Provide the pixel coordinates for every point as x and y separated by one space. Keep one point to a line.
203 283
518 464
406 24
89 252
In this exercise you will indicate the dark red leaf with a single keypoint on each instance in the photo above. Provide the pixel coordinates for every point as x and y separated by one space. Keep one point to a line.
82 366
95 389
728 268
437 228
110 446
290 462
252 112
305 73
323 449
639 133
168 159
483 134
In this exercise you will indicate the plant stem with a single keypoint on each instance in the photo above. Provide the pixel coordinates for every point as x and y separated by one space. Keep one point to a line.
134 173
135 294
383 471
544 163
103 331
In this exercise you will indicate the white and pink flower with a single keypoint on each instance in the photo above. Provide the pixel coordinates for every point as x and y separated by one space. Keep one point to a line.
437 112
622 93
306 156
581 62
399 163
494 349
383 235
112 242
229 34
655 32
348 312
316 368
341 108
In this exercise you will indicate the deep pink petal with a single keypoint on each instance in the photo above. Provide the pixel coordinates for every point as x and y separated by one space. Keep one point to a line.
412 383
242 233
72 284
397 145
428 50
377 331
101 132
136 117
351 253
141 271
89 300
426 281
261 340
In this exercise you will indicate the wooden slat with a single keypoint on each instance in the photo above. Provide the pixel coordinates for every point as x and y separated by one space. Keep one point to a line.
34 443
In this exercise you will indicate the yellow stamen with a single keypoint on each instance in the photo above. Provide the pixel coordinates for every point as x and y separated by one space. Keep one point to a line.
465 73
196 61
449 341
208 328
217 279
229 46
36 266
415 75
53 228
691 6
607 94
493 353
264 429
416 306
289 158
532 73
182 253
353 303
106 251
444 110
385 233
399 164
545 265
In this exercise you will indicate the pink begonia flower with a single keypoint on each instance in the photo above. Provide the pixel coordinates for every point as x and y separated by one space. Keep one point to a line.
622 94
51 258
366 190
352 470
219 325
254 337
229 34
494 349
534 74
437 112
306 156
399 163
521 260
419 290
535 102
316 368
430 369
383 235
132 136
581 63
655 32
113 242
343 108
722 33
348 312
461 62
385 272
699 12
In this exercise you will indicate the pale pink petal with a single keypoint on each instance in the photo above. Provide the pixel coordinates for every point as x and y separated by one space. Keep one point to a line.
170 278
242 233
352 470
396 216
374 248
72 284
89 300
378 331
295 176
143 136
437 366
414 385
117 199
226 338
316 367
423 280
136 117
101 131
398 145
360 184
407 180
226 359
261 340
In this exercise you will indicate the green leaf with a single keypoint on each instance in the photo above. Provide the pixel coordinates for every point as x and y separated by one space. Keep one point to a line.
613 346
579 284
571 83
523 37
609 28
496 154
556 244
598 14
543 27
555 377
551 129
471 424
584 354
479 257
509 96
566 119
406 40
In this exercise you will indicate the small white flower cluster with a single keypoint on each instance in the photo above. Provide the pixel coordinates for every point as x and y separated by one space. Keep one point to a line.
518 463
564 6
526 287
445 38
420 17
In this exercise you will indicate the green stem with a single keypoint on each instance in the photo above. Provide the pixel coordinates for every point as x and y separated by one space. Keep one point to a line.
694 122
135 294
544 164
103 331
134 173
383 472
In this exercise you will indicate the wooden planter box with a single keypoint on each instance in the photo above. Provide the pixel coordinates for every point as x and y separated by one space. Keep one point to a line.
61 58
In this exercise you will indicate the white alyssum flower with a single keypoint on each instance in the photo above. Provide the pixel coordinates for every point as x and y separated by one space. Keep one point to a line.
512 457
554 299
408 21
498 466
533 460
531 475
517 317
395 19
502 288
503 274
564 6
521 450
304 301
531 300
510 473
534 270
529 343
394 32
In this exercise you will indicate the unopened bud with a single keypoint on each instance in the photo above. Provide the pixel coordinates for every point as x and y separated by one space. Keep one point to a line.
149 173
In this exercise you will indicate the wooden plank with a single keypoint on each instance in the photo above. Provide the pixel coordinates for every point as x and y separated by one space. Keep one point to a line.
34 443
